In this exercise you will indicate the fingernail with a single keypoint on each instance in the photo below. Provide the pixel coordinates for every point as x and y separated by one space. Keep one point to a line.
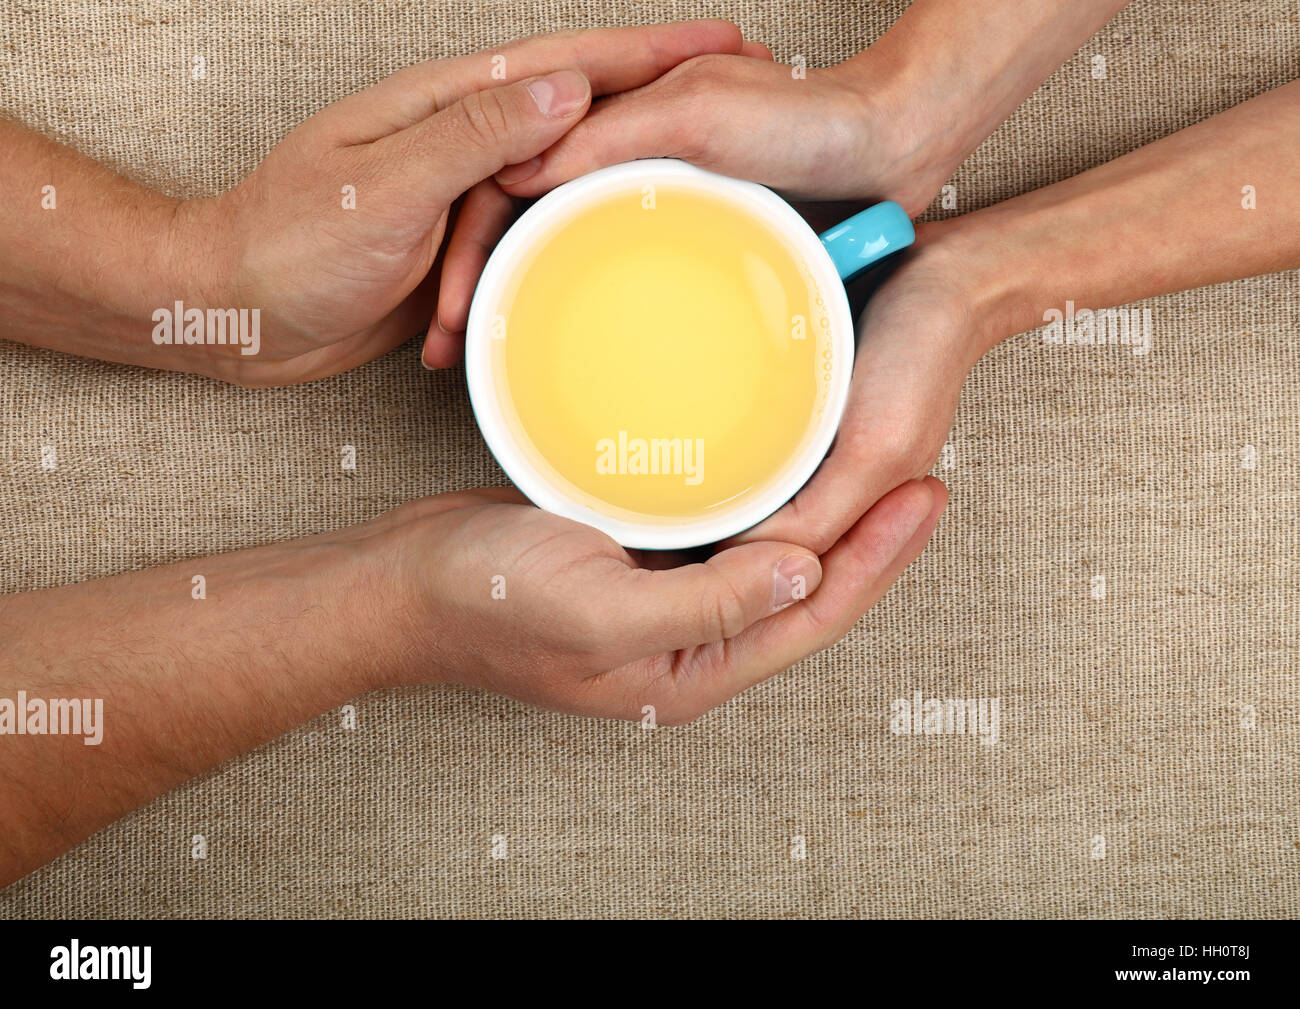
794 578
559 94
511 174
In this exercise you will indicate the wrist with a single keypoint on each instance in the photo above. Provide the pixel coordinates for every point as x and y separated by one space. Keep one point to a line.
88 267
168 258
413 557
147 275
196 270
987 263
197 252
913 134
336 596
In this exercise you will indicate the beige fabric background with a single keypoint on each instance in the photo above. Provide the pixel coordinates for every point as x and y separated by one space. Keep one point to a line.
1122 717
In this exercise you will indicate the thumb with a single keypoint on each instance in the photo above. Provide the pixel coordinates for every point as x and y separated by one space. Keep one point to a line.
859 570
645 123
703 603
474 138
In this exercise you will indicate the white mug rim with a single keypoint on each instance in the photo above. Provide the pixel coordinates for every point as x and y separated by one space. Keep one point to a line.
697 531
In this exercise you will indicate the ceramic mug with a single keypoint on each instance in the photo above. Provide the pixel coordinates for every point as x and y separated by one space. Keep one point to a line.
828 261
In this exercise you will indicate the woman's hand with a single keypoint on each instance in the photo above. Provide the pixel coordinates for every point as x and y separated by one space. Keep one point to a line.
892 122
922 331
811 133
974 280
334 235
740 115
493 593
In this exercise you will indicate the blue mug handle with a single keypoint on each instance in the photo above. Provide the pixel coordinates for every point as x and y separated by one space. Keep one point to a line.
868 237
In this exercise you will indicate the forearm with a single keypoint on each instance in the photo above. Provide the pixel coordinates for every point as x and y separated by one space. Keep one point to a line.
282 634
87 256
1172 215
947 92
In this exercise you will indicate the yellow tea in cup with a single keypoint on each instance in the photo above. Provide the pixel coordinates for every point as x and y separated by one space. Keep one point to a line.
665 353
662 352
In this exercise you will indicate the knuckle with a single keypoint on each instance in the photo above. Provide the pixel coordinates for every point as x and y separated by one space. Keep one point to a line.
686 103
692 91
704 70
724 615
484 118
691 85
669 693
810 525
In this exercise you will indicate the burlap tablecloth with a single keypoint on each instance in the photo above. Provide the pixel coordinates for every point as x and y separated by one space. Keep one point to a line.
1128 779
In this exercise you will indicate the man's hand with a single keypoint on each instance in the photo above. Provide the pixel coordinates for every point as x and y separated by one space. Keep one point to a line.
475 588
334 237
524 603
740 115
339 286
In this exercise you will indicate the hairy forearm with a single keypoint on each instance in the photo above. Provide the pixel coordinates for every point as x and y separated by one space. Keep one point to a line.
87 256
278 635
951 93
1173 215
